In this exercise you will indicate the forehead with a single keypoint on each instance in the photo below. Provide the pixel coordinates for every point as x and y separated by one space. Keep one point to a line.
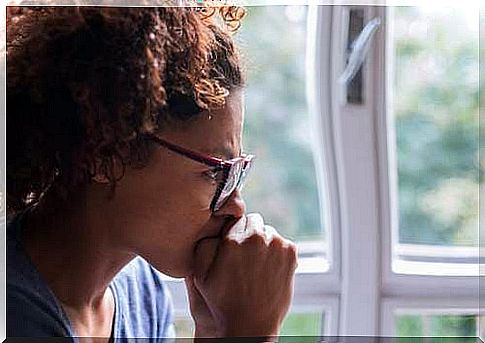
218 133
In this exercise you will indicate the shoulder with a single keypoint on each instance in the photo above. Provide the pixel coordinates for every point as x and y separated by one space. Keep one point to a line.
144 299
32 310
32 315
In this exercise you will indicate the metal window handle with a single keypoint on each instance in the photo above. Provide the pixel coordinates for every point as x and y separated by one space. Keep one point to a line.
359 50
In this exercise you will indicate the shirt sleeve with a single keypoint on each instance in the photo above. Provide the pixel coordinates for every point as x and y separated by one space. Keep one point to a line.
167 312
169 329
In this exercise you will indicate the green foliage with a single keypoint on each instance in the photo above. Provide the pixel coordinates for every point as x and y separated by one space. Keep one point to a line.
435 327
409 325
454 325
436 118
303 324
277 124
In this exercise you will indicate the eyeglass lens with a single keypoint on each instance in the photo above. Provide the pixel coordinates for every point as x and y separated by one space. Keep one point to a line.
235 179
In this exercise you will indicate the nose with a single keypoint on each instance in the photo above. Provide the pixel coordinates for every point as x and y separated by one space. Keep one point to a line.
233 207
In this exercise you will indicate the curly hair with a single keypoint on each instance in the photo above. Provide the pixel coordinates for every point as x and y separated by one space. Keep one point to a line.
86 84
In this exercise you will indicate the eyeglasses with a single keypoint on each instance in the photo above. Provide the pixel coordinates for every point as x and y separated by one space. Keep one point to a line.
233 171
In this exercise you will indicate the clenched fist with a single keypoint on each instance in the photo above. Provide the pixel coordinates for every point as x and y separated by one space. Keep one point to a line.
243 283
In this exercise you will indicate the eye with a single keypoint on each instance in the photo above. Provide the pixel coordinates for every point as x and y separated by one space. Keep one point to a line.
212 175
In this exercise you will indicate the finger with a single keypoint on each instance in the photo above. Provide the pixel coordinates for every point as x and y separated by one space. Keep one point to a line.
254 224
254 231
269 233
237 231
293 255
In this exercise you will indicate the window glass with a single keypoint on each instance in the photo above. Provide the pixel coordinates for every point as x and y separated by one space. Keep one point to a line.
435 108
302 324
463 326
282 185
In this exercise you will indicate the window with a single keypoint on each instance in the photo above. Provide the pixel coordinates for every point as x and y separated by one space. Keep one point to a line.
376 180
435 109
283 185
409 324
432 114
376 173
432 146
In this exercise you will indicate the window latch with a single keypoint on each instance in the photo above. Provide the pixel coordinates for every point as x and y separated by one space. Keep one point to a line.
359 49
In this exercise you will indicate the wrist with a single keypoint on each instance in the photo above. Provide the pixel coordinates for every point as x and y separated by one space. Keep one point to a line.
209 332
205 331
256 334
237 340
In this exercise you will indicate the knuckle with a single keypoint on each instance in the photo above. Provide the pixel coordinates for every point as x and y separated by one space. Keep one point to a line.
294 259
256 238
292 249
277 243
230 243
293 255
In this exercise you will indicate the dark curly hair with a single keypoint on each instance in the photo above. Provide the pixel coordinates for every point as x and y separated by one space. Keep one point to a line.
86 84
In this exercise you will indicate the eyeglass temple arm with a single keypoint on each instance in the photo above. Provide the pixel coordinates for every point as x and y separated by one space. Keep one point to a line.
211 161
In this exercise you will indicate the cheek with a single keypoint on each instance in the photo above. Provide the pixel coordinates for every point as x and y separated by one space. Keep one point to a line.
181 197
185 205
192 194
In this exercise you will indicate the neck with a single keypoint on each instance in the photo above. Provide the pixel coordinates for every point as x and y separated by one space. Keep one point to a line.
75 254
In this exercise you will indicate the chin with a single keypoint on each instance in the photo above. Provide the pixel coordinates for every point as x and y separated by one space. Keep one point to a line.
176 271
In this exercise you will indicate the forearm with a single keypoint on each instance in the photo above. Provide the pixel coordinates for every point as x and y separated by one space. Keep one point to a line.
265 339
204 333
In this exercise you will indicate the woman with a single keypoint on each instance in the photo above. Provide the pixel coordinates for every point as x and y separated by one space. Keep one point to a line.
124 160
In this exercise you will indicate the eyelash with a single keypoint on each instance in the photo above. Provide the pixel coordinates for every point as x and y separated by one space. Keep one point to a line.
211 174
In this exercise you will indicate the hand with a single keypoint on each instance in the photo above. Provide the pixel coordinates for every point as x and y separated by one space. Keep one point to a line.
244 286
205 324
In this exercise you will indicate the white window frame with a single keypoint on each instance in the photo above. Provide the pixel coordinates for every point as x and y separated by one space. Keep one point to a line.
365 163
455 292
353 133
368 131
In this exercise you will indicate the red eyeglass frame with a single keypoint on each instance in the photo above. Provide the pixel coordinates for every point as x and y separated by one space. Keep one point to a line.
211 161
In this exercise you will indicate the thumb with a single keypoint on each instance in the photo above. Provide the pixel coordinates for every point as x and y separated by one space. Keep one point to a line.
207 249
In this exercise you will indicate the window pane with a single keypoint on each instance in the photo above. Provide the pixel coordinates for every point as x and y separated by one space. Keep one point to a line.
303 324
295 324
435 104
463 326
282 185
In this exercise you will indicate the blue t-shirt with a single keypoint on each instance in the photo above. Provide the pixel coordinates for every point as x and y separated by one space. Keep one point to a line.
143 305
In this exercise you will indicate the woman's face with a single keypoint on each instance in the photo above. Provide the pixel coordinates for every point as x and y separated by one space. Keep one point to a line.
162 211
